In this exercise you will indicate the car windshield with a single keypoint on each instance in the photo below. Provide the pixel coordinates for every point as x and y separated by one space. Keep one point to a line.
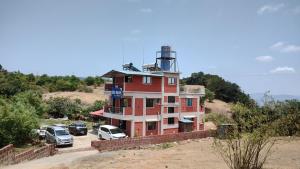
61 132
116 131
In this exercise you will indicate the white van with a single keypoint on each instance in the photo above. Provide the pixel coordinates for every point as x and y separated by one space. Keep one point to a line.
108 132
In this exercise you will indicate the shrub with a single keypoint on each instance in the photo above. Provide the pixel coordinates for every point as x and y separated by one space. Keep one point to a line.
86 89
89 80
218 118
17 121
60 106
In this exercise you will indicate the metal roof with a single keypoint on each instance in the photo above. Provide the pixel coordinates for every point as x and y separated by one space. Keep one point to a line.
113 73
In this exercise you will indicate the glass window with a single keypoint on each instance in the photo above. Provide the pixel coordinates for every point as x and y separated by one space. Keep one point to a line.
61 132
171 120
170 109
116 131
172 80
149 102
171 99
128 79
104 129
151 125
189 102
146 79
125 102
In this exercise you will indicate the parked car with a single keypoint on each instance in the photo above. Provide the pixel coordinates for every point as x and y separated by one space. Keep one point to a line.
109 132
58 136
61 125
77 128
42 132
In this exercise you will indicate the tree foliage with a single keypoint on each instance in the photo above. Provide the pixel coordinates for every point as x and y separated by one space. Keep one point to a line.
17 121
223 90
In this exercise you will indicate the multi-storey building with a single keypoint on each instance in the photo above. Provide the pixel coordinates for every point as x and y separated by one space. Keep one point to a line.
152 102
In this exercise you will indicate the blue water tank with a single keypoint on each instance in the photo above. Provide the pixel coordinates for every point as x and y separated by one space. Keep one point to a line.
165 58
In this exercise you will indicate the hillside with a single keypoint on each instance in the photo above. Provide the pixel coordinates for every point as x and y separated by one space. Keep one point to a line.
88 98
218 106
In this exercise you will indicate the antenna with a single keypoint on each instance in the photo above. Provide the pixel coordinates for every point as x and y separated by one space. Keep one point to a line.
143 55
123 55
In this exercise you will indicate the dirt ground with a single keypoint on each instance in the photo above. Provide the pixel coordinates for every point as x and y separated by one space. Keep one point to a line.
192 154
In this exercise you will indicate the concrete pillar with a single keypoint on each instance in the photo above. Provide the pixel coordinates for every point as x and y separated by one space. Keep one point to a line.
132 129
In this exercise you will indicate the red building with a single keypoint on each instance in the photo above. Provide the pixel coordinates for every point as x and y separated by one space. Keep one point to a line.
151 102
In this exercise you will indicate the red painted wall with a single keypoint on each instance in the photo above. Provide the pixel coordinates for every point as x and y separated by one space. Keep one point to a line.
169 88
153 110
137 85
139 106
185 108
128 110
115 122
138 126
119 81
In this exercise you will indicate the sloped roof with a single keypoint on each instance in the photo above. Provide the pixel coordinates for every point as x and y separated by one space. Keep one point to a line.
114 73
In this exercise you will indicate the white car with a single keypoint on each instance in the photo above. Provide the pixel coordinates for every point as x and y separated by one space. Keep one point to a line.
108 132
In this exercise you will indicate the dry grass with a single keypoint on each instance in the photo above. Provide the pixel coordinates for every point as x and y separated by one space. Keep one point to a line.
88 98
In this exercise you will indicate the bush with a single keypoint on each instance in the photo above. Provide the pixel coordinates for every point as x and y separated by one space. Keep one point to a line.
89 80
31 98
84 88
209 95
58 107
218 118
17 121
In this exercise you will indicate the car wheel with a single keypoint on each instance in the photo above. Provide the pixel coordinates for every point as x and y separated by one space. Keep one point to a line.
100 137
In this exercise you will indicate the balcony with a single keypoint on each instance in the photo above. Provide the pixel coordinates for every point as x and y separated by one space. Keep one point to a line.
118 110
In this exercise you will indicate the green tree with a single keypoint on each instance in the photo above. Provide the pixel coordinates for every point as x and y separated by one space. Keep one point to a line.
209 95
31 98
60 106
90 80
17 121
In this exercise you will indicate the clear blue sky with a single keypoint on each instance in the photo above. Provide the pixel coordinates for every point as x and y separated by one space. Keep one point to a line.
253 43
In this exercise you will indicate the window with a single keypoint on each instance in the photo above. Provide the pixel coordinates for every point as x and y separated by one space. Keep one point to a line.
170 109
189 102
171 120
128 79
146 79
152 102
104 129
125 102
149 102
171 99
151 125
172 80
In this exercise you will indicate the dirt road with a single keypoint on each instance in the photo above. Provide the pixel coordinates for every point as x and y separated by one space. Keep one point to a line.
187 154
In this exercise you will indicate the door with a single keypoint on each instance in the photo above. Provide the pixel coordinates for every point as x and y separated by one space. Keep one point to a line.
105 133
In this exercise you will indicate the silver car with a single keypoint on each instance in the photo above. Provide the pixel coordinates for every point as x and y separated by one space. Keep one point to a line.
58 136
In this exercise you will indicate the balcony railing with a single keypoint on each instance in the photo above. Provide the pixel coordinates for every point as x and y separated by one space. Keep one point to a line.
118 110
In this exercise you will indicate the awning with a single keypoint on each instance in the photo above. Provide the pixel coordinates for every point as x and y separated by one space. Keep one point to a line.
97 113
151 120
186 121
191 116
